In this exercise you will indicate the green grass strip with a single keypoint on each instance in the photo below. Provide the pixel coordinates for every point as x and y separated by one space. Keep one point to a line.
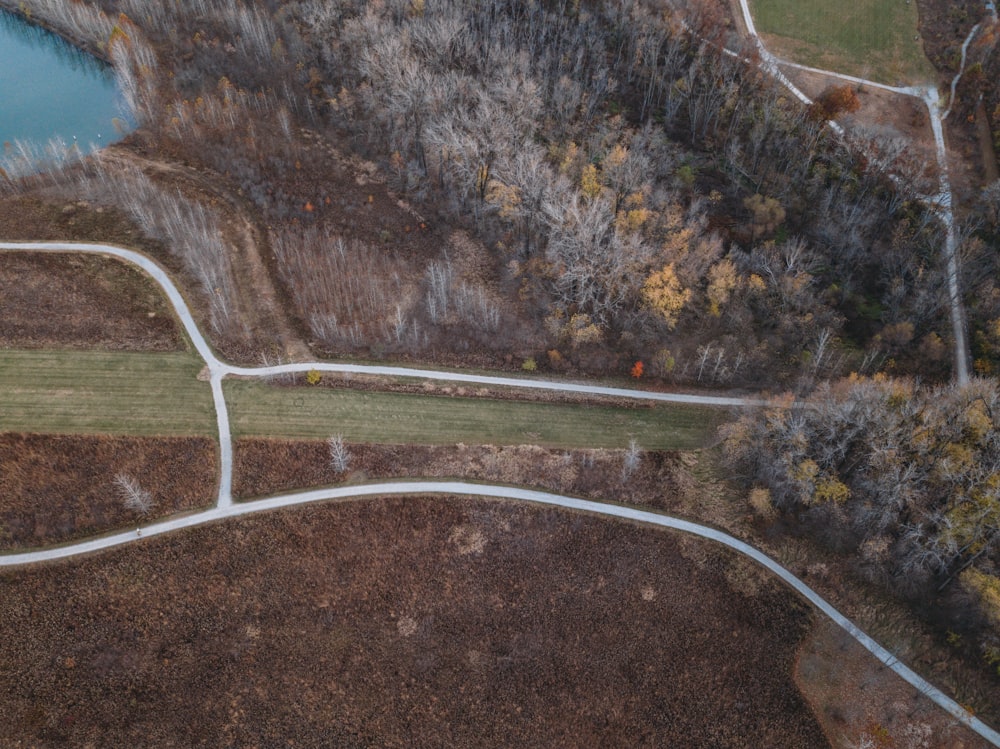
258 409
104 392
874 39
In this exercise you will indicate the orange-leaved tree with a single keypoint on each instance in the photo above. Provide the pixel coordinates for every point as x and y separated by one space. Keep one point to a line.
833 102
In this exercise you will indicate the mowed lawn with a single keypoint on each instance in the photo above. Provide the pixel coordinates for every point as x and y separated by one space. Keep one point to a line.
104 392
875 39
259 409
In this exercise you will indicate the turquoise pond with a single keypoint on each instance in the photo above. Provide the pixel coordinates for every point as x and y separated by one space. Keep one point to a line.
49 90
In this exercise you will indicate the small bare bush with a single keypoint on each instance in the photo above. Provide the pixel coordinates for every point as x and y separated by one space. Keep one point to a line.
137 499
760 501
631 460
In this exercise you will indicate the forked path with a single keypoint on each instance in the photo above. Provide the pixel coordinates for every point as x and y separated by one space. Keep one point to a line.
225 508
218 369
941 203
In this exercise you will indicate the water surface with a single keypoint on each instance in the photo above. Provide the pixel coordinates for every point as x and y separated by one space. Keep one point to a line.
49 90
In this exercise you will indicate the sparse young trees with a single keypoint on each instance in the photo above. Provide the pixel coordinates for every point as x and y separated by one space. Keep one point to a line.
192 231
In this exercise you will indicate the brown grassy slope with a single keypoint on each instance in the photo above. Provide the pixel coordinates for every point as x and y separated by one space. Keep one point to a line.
54 488
392 623
36 218
82 301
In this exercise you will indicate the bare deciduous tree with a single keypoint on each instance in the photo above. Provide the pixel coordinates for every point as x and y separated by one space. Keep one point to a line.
631 460
340 456
136 498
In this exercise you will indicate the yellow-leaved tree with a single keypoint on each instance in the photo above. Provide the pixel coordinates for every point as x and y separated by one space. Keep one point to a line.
722 279
664 294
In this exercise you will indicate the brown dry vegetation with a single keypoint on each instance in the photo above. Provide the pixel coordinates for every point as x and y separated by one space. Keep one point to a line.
684 484
55 488
82 301
263 467
854 696
37 218
416 622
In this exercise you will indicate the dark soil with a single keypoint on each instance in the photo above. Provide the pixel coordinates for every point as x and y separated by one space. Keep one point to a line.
402 623
82 301
266 466
55 488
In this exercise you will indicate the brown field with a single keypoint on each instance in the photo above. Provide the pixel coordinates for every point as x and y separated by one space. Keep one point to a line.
403 623
38 218
266 466
82 301
54 488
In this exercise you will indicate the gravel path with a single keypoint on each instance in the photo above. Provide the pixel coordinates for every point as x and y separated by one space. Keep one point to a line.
941 203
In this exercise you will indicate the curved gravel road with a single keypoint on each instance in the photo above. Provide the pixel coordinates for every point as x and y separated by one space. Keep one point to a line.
225 508
219 370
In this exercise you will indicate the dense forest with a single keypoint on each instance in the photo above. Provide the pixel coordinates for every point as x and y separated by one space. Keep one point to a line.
641 194
903 478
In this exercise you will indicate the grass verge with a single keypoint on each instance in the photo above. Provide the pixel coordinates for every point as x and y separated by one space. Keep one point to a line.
258 409
100 392
875 39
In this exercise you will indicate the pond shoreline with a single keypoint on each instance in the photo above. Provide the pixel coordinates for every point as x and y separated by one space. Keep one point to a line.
93 47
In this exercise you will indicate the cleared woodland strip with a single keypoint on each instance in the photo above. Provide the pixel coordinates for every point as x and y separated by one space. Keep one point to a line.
258 409
104 392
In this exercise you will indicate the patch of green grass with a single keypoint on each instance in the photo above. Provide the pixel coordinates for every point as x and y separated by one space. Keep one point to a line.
257 409
104 392
875 39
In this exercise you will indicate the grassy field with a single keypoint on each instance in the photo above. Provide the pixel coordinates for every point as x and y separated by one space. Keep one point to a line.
104 392
257 409
874 39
